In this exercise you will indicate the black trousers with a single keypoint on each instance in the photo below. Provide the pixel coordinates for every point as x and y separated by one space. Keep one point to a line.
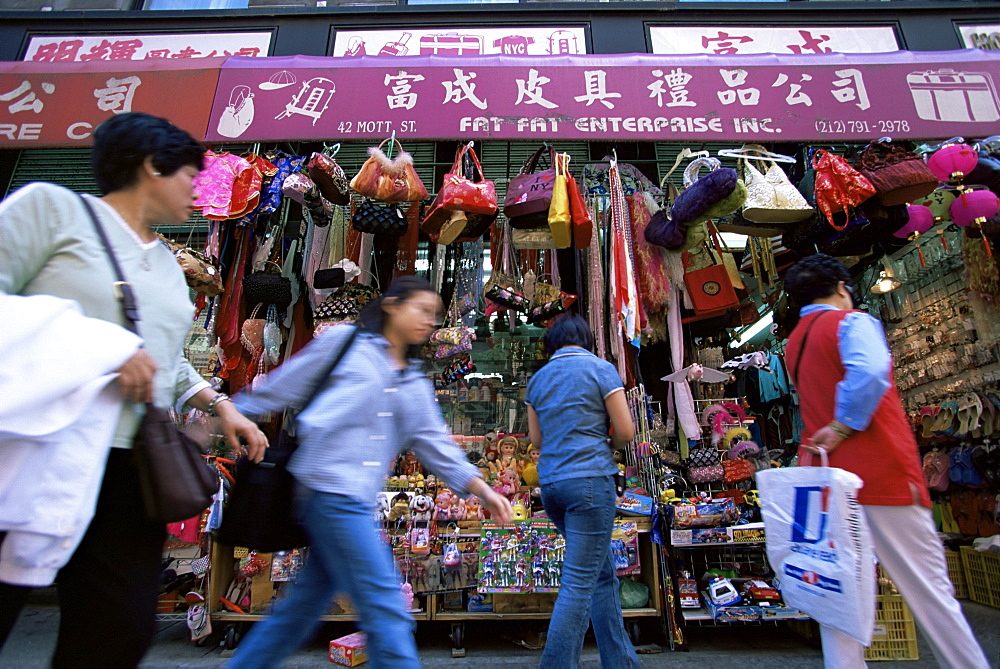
108 590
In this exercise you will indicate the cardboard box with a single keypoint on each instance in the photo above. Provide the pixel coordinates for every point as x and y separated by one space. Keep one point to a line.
635 505
536 602
737 534
350 650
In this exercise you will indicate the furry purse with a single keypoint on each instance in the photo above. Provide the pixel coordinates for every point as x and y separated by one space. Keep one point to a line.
708 196
388 180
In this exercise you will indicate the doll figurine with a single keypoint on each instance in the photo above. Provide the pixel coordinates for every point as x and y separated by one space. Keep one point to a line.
473 508
508 454
529 472
442 505
457 509
400 508
507 482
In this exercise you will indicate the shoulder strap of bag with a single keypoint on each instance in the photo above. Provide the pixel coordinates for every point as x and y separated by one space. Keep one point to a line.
122 287
802 347
332 366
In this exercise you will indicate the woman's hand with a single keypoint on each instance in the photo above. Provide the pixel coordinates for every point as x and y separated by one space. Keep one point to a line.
498 505
236 426
135 377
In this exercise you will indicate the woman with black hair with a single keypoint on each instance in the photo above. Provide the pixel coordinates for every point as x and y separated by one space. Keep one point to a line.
376 404
571 402
106 550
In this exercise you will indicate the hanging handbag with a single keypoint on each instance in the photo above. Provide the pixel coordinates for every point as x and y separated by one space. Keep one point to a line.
708 195
260 514
706 474
546 311
559 215
376 219
837 187
710 288
328 176
662 230
295 186
771 197
737 470
263 287
526 203
319 208
200 271
388 180
504 290
583 224
460 193
898 175
175 479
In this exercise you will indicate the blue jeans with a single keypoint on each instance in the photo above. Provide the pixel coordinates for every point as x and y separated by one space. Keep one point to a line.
345 555
583 510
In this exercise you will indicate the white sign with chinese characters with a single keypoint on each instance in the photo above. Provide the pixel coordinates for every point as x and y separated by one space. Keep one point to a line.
757 39
981 37
66 48
513 41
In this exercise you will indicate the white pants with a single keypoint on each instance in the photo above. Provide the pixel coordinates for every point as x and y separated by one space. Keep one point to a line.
907 546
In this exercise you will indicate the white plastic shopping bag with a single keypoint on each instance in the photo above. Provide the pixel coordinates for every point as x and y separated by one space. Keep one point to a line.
819 545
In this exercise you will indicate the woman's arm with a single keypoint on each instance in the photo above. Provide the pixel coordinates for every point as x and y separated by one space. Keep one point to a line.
534 429
623 431
234 424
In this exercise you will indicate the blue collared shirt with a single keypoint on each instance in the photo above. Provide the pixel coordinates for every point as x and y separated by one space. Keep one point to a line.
864 353
364 415
568 396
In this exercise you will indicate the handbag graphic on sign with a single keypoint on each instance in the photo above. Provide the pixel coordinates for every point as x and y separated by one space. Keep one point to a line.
397 48
238 114
451 44
947 95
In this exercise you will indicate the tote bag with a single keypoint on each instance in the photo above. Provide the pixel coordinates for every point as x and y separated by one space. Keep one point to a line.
711 288
819 545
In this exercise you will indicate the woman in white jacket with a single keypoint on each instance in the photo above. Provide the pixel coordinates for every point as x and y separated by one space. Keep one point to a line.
48 246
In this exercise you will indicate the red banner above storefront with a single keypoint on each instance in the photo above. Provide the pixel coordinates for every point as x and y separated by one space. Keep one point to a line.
59 104
640 97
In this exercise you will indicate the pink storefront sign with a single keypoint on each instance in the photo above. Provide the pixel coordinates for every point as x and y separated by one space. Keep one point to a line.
623 97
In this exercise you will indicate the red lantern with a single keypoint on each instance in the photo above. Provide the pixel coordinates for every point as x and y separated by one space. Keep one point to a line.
974 207
953 162
921 219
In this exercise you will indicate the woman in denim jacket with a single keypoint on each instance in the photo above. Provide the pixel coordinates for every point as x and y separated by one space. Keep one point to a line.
571 402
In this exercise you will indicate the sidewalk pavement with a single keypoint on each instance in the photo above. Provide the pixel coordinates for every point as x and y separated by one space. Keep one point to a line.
494 644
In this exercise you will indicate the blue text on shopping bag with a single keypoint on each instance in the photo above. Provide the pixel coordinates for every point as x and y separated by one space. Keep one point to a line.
809 520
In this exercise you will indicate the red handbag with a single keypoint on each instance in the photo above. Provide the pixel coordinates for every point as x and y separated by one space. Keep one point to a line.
461 194
710 288
526 203
737 470
583 225
838 186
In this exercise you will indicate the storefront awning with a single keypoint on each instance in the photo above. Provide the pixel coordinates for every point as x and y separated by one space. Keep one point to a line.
59 104
640 97
769 97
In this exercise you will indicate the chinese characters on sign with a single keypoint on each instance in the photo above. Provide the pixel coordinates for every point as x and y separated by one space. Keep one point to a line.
759 39
639 97
84 48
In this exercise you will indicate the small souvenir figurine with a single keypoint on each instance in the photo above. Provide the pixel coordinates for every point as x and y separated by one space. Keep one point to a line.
442 505
508 454
507 483
529 472
457 510
473 508
421 507
400 508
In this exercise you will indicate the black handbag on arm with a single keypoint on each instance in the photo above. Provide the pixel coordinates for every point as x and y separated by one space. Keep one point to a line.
176 481
259 514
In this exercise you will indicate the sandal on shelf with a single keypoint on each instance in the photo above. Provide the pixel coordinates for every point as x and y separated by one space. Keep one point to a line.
928 415
987 419
945 422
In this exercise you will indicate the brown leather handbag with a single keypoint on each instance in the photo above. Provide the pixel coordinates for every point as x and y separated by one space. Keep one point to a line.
899 175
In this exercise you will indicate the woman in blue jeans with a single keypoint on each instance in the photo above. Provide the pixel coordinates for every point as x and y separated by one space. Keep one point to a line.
376 404
571 402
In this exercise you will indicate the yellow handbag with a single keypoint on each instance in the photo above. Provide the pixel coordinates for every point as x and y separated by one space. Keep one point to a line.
560 222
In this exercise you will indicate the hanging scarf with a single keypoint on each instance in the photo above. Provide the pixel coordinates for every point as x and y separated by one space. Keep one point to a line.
624 297
596 315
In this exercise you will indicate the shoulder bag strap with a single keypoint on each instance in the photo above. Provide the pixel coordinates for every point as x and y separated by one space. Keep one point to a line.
330 367
122 287
802 348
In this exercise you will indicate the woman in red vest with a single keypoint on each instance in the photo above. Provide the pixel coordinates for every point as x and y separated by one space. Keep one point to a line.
839 361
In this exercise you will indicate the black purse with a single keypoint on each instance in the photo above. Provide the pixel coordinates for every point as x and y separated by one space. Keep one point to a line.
376 219
176 481
267 288
260 513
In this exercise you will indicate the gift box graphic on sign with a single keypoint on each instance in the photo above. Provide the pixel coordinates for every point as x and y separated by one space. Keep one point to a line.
451 44
947 95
